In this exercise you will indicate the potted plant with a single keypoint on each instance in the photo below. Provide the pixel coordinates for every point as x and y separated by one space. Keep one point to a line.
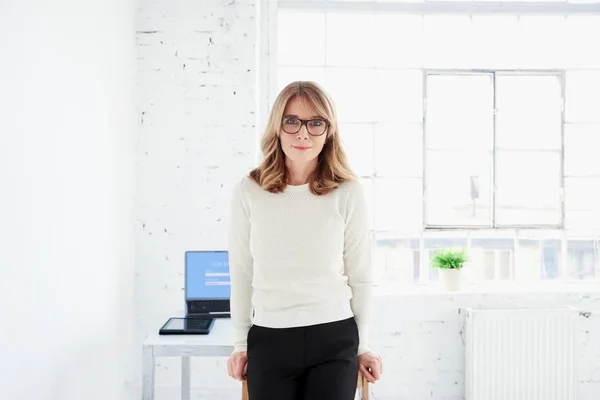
449 262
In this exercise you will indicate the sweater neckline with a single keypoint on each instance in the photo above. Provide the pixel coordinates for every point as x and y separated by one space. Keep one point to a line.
297 188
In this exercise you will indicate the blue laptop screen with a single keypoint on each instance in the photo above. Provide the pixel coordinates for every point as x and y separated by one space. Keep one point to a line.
207 275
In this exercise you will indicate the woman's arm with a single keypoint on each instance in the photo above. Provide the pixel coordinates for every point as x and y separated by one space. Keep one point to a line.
357 261
240 269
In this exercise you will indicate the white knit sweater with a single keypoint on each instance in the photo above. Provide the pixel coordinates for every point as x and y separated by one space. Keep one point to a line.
297 259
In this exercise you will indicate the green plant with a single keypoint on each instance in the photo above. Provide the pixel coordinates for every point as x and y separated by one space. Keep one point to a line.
449 258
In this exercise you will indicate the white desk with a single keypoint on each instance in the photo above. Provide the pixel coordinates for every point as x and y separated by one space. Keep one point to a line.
216 344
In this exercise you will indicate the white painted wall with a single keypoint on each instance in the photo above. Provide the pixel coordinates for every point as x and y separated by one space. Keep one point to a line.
67 134
197 69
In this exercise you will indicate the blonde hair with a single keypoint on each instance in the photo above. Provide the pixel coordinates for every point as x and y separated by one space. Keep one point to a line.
332 168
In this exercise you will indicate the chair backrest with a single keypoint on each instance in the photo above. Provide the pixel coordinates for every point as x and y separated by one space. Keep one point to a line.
362 384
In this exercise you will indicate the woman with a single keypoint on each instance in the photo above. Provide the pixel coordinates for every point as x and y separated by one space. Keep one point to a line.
299 258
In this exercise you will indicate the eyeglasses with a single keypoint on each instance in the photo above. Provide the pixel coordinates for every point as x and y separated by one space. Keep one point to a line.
315 127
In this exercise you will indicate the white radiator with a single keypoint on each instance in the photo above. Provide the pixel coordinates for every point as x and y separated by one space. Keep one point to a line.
521 354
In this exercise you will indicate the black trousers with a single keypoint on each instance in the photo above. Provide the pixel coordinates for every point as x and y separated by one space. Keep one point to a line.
304 363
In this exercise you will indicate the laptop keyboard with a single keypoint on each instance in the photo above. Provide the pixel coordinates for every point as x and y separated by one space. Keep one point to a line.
206 306
217 306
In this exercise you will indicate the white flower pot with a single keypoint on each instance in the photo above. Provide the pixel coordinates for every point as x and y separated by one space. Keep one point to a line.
451 278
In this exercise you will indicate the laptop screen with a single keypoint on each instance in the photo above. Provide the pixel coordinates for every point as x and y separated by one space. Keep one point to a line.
207 275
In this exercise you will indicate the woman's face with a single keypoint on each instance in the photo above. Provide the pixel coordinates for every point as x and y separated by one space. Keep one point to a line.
302 141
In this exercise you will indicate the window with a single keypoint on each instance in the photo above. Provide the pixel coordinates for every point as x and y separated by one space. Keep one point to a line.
459 139
462 135
494 158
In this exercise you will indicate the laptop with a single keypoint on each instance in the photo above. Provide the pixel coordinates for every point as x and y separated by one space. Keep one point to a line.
207 293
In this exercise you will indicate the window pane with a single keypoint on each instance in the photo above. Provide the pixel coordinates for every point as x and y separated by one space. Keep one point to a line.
399 204
353 93
495 41
434 273
396 260
458 188
504 270
297 46
286 75
582 194
537 259
583 259
528 185
459 112
582 40
398 95
349 39
399 150
582 144
582 220
490 258
582 203
528 259
399 40
529 112
358 143
545 34
551 256
582 99
448 41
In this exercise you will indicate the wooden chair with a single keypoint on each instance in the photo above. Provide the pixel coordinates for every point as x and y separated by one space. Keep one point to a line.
362 384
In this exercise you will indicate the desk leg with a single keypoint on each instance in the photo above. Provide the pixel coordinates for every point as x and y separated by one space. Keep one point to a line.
185 378
148 373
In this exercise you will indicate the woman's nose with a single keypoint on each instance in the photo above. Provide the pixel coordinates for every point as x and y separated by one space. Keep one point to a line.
303 132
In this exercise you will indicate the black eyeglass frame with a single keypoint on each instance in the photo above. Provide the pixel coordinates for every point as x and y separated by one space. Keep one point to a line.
305 122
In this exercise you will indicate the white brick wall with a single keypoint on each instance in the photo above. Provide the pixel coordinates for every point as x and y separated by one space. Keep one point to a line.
197 131
197 108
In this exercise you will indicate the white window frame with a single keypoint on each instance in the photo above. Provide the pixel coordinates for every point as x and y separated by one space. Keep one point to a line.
444 7
560 74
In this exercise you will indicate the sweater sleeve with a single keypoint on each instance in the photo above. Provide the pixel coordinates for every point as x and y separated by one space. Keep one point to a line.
240 269
357 261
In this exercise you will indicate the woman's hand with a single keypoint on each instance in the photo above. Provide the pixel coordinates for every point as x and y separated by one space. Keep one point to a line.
370 366
237 365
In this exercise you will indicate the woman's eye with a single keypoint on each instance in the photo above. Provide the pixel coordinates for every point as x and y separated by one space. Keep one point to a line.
291 121
316 123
